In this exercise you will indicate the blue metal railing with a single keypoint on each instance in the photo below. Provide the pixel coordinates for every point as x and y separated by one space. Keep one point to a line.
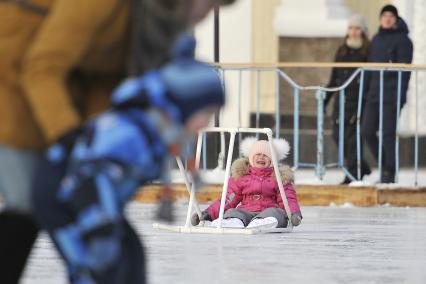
320 166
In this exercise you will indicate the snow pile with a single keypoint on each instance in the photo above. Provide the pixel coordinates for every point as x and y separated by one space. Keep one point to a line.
344 205
360 183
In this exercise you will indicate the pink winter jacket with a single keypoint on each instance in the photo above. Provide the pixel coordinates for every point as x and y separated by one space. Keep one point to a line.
253 189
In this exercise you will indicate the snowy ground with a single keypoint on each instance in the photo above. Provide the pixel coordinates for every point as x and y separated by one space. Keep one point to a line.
333 245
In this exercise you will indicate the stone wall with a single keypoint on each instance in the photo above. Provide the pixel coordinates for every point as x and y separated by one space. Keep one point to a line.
305 50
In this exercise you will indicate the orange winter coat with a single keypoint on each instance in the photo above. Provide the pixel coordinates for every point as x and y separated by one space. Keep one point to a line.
57 69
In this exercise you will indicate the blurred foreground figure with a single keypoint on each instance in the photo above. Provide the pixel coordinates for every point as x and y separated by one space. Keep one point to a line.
153 116
59 62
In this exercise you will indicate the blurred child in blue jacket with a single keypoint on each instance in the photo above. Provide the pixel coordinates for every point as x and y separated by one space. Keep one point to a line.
81 191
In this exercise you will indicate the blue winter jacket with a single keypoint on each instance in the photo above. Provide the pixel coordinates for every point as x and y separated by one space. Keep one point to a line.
390 46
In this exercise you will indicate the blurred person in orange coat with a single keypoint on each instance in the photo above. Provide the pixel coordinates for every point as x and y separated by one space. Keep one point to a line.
59 61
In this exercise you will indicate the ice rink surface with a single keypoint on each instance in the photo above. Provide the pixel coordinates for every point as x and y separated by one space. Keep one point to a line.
336 244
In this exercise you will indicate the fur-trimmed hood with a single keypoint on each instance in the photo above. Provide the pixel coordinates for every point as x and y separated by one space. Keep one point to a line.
241 166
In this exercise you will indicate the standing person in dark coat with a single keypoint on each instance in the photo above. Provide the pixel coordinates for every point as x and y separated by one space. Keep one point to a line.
391 45
353 49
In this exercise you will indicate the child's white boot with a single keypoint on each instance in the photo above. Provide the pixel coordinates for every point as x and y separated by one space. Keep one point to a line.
229 223
263 223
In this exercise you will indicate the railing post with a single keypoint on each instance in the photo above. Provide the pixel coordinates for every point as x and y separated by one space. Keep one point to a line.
358 126
221 156
277 105
296 129
398 107
320 163
320 169
380 158
240 93
416 138
341 162
204 151
341 128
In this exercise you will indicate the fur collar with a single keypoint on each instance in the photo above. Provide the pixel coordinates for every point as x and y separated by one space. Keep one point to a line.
241 165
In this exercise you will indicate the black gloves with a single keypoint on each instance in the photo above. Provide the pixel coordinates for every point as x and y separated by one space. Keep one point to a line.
205 216
296 218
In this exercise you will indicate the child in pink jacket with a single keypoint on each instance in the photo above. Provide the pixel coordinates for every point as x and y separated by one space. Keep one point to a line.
253 199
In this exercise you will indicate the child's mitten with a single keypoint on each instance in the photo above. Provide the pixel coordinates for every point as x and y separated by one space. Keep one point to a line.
296 219
205 216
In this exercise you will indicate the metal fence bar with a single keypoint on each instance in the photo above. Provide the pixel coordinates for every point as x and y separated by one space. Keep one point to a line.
204 151
293 84
240 93
318 65
319 166
380 158
341 162
221 158
307 165
341 128
277 106
320 134
416 138
358 126
296 129
398 107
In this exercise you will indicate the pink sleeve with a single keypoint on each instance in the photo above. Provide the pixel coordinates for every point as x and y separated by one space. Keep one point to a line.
291 198
233 198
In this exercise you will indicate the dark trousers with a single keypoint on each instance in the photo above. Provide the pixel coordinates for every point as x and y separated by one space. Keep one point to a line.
350 146
52 214
350 139
370 127
18 232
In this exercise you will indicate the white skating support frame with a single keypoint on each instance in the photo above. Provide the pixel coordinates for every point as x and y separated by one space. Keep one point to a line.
188 228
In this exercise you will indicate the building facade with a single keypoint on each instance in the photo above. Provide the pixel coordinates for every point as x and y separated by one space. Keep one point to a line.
266 31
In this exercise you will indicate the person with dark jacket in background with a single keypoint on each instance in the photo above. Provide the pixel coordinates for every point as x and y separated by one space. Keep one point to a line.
59 62
391 44
353 49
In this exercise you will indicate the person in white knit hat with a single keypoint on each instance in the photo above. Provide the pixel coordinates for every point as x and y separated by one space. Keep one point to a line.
353 49
253 199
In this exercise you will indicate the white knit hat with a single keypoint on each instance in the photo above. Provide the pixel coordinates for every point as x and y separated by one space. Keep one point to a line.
250 146
357 20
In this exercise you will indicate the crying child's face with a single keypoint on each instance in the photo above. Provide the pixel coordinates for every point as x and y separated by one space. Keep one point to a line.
261 161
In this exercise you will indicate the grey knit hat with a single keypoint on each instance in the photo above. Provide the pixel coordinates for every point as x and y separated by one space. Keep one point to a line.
358 21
